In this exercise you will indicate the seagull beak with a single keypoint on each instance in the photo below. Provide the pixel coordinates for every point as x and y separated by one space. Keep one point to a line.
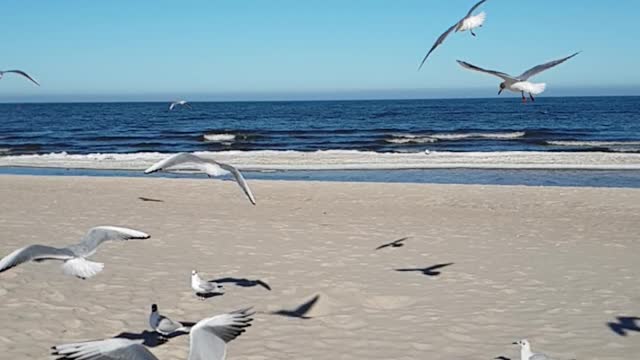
514 343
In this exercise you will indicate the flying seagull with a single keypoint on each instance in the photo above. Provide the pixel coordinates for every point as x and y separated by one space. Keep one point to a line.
19 72
181 103
211 167
204 289
527 354
395 243
74 256
469 22
162 324
520 84
207 341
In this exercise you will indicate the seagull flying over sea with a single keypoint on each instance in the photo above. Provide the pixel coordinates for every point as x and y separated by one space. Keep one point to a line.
395 243
210 167
204 289
207 341
163 325
520 84
527 354
74 256
19 72
469 22
180 102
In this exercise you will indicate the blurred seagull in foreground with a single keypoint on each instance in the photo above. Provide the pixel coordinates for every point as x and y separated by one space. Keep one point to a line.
180 102
469 22
209 167
520 84
74 256
207 341
204 289
162 324
19 72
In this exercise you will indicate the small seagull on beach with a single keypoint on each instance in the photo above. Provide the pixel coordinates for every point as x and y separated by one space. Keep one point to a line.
74 256
181 103
520 84
204 289
395 244
527 354
210 167
207 341
469 22
163 325
19 72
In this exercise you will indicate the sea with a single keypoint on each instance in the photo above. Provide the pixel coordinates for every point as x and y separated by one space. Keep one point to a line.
571 141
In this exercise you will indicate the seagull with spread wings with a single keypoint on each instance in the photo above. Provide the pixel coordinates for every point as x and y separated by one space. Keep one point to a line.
207 341
179 102
520 84
469 22
19 72
73 256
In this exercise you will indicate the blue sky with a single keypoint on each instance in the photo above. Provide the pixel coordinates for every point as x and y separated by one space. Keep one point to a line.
297 49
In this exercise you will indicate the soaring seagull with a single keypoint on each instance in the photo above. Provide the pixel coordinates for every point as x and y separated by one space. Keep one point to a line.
74 256
469 22
520 84
207 341
210 167
19 72
180 102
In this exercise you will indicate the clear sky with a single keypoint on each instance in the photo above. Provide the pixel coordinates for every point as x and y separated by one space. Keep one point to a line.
296 49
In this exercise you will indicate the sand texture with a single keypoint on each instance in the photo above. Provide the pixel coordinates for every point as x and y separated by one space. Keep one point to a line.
553 265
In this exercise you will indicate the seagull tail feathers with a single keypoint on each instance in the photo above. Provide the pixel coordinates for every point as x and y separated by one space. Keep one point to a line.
81 268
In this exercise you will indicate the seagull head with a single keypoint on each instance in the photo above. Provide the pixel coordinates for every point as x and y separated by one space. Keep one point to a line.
502 86
523 344
194 273
154 308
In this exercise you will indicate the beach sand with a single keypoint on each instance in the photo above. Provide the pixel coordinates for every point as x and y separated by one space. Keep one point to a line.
553 265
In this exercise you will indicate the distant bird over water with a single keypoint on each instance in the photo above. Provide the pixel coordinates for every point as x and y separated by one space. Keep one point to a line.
469 22
19 72
520 84
181 103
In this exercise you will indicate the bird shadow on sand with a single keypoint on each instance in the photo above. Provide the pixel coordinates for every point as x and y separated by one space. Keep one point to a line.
145 199
394 244
204 296
427 271
501 358
300 312
151 338
242 282
625 324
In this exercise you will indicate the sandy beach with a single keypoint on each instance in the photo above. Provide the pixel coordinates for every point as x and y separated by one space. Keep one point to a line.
553 265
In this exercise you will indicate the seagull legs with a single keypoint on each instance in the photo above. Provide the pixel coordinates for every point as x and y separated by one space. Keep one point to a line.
532 98
524 99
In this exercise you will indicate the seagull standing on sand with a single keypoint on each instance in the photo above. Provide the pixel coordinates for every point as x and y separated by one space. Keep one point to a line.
520 84
469 22
74 256
203 288
19 72
207 341
210 167
162 324
527 354
180 102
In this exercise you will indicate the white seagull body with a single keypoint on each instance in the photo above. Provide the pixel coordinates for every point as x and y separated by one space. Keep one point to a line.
467 23
181 103
520 84
73 256
19 72
209 167
162 324
207 341
527 354
203 288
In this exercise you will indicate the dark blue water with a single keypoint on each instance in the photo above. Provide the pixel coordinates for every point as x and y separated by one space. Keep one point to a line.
550 124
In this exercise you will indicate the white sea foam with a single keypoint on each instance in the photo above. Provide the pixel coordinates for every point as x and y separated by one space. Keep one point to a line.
347 159
594 143
219 137
494 136
411 139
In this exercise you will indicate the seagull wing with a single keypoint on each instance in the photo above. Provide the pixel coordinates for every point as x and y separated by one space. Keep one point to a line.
172 105
109 349
475 7
239 179
20 72
540 68
438 42
499 74
209 167
209 337
97 235
167 326
36 253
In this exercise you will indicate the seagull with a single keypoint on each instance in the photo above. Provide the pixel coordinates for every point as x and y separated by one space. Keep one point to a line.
207 341
19 72
301 311
469 22
211 167
520 83
204 289
74 256
163 325
428 271
180 102
396 243
526 354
